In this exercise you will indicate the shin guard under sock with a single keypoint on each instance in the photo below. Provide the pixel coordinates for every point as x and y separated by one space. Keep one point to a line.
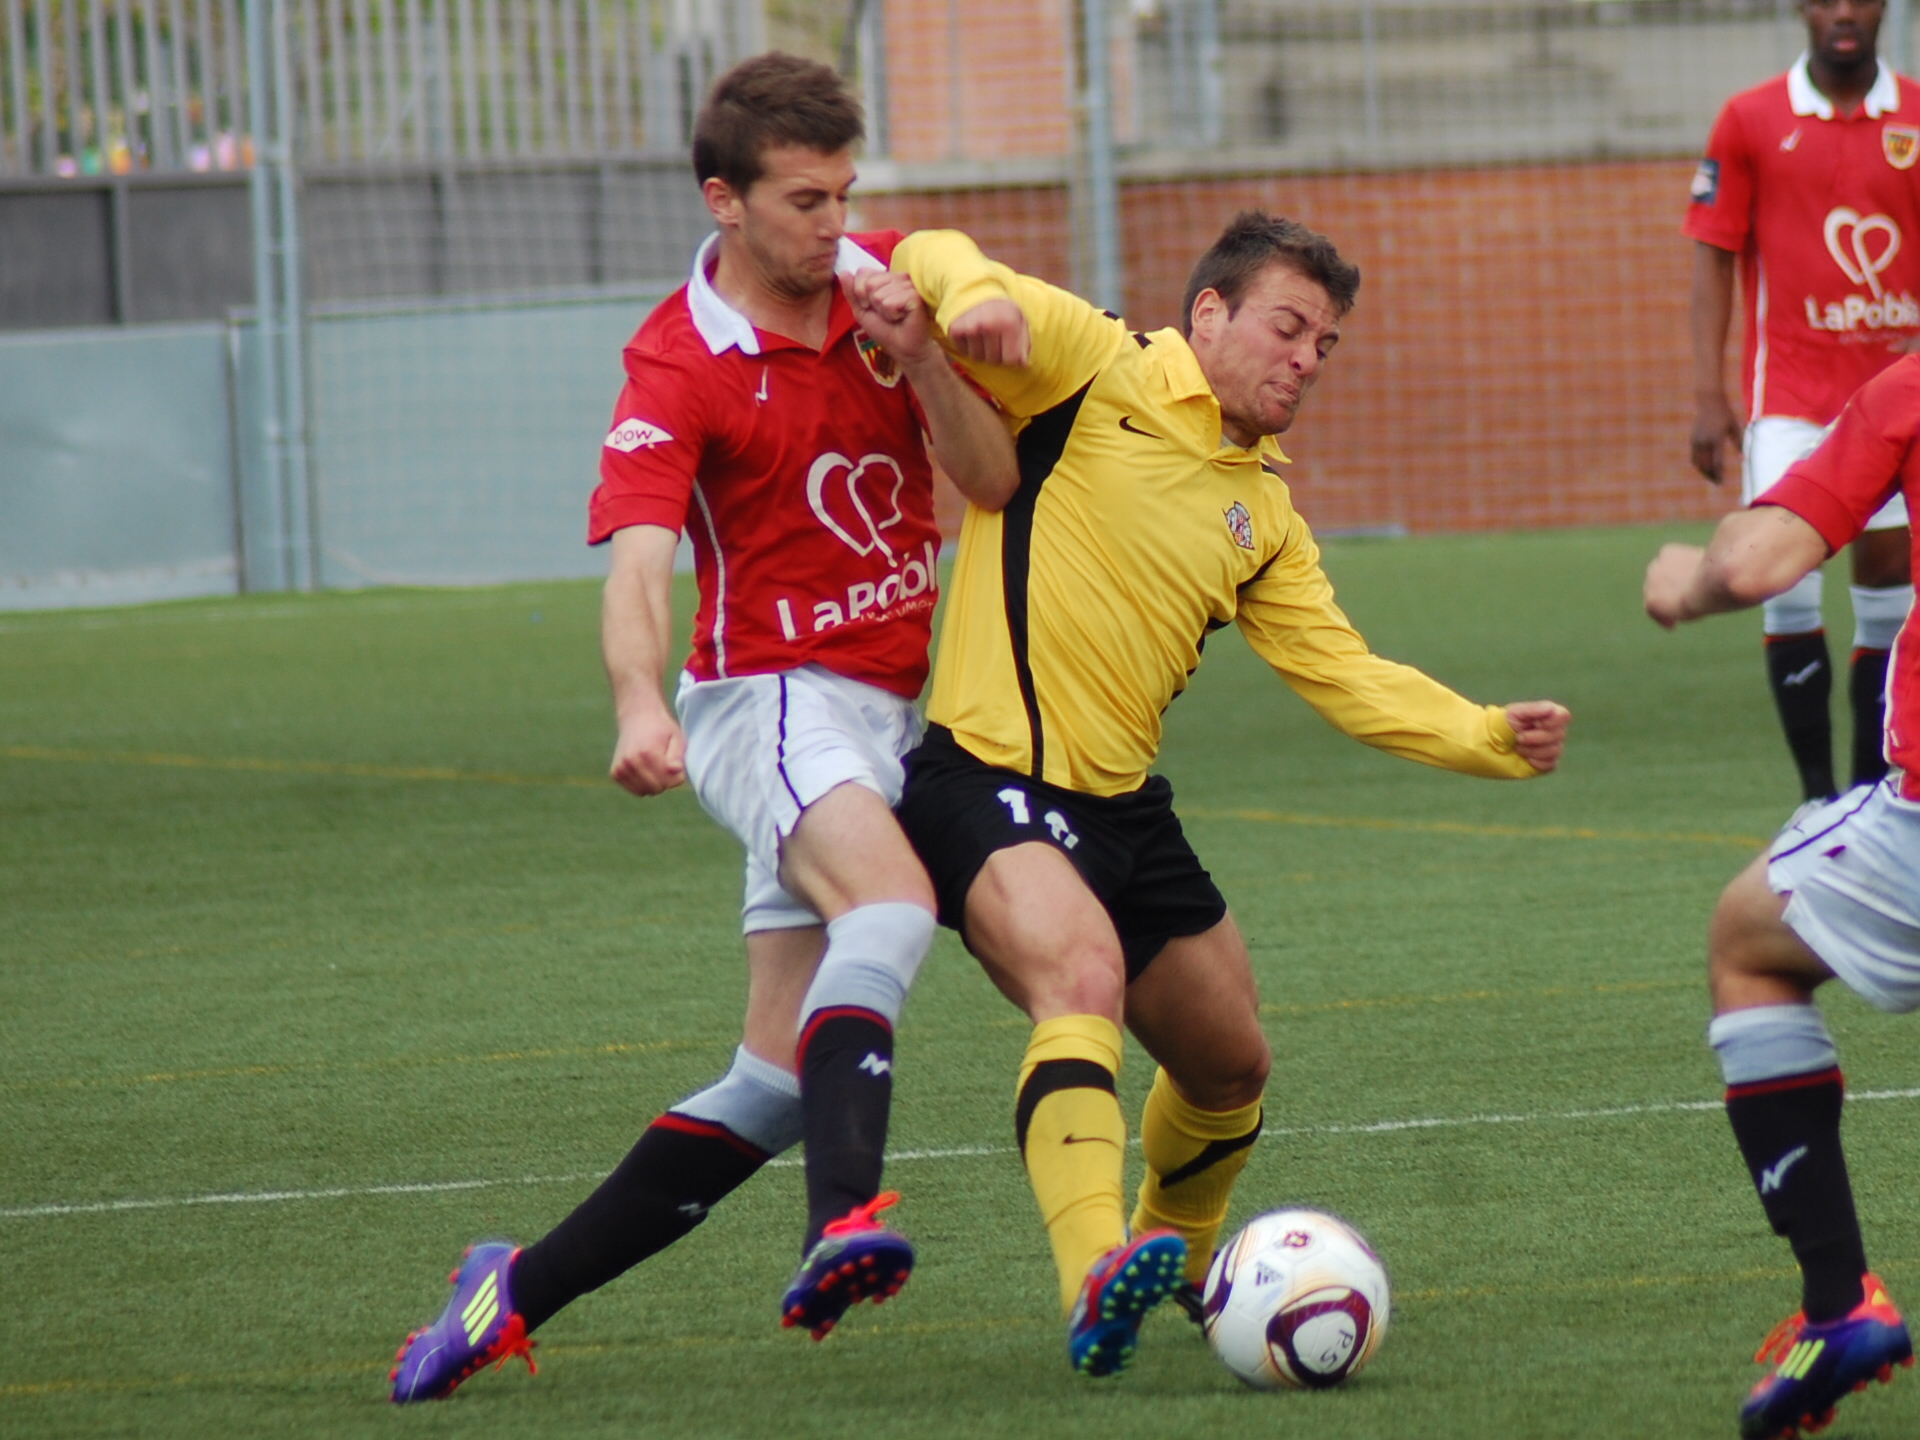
1193 1157
1800 674
846 1094
680 1169
1867 693
1789 1134
1073 1140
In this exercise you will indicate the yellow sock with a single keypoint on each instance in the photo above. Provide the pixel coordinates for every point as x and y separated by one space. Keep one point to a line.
1193 1158
1074 1140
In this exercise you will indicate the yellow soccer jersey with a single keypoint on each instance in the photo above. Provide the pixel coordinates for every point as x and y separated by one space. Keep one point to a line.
1078 613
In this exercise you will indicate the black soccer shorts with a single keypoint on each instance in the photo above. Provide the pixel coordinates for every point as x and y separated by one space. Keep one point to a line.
957 810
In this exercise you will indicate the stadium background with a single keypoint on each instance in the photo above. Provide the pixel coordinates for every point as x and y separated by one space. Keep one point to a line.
463 207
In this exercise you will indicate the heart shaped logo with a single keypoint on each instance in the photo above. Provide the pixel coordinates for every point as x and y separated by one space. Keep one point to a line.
866 498
1848 235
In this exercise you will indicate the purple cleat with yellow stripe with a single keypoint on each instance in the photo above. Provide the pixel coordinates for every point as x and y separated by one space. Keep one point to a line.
478 1328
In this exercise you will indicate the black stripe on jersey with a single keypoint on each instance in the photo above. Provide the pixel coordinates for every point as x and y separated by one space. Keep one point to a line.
1038 450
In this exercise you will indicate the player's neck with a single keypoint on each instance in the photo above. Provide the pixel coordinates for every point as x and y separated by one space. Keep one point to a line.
739 282
1845 85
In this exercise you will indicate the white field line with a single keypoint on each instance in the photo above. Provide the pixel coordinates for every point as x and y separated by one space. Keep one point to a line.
958 1152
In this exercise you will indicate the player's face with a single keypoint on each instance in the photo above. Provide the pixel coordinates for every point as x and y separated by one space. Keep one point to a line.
1842 32
791 218
1262 359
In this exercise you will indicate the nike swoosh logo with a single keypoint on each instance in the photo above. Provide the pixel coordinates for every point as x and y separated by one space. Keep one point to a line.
1086 1139
1136 430
1800 677
1774 1176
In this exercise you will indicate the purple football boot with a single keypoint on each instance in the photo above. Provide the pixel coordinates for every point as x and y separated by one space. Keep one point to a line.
478 1328
856 1258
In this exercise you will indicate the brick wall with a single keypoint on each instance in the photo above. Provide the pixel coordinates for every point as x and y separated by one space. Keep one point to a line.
1518 357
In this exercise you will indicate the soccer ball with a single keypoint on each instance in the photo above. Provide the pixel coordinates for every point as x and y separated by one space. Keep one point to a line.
1296 1299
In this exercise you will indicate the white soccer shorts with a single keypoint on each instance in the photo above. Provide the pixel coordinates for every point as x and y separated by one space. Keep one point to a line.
761 748
1775 442
1852 869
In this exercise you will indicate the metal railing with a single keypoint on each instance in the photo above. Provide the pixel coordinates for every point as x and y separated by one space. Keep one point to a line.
92 87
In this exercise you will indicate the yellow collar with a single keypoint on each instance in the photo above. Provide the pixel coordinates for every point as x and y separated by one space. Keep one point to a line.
1187 381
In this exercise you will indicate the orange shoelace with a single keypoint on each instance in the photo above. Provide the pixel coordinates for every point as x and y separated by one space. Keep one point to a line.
862 1217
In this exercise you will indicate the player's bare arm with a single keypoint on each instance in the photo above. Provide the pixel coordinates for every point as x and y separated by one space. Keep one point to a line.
993 332
636 621
970 441
1710 312
1753 555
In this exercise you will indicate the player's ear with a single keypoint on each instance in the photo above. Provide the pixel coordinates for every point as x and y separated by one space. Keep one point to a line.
1209 313
724 203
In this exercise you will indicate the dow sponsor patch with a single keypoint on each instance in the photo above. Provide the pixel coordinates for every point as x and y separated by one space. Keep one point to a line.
631 435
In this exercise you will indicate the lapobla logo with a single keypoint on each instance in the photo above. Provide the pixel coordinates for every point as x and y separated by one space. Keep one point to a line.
1847 234
1863 246
866 497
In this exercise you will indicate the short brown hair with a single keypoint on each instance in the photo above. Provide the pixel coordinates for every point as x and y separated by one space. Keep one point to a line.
1255 240
768 101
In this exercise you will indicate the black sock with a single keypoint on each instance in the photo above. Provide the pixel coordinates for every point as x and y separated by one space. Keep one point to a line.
1867 691
1789 1132
1801 675
678 1170
846 1091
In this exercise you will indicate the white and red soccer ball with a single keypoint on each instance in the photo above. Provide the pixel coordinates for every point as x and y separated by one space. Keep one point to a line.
1296 1299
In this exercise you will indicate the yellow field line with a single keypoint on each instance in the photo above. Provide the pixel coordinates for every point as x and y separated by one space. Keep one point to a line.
1455 827
320 1067
582 782
298 767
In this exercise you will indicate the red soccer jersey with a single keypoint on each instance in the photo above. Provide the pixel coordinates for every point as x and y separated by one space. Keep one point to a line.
1870 456
1824 212
806 478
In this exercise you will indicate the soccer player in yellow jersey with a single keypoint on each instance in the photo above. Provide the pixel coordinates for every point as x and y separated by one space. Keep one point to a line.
1150 512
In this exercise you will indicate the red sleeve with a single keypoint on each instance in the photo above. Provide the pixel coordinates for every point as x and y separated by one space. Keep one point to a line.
648 460
878 243
1862 463
1721 209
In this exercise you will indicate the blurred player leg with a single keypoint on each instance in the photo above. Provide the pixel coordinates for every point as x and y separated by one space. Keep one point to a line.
1882 596
1799 667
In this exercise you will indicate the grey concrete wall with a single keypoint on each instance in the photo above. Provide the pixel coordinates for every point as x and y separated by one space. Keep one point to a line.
116 467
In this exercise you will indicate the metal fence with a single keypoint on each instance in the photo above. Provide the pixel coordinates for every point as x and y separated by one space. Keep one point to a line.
91 87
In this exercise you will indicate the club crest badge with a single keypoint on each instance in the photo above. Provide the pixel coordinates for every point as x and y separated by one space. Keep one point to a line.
1240 525
1901 145
882 366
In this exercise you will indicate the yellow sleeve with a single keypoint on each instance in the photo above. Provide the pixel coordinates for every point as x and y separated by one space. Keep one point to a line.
1072 341
1289 617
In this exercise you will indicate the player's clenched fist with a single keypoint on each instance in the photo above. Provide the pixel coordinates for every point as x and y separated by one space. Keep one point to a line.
1539 731
650 755
1669 577
993 332
890 310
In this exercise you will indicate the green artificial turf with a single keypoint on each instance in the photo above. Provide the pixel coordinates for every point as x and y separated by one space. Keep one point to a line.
323 893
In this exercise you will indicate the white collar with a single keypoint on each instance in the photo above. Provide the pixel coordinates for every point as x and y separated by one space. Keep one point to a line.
1882 99
722 326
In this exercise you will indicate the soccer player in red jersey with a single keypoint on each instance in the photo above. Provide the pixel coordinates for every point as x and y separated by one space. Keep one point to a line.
1836 894
784 433
1809 186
